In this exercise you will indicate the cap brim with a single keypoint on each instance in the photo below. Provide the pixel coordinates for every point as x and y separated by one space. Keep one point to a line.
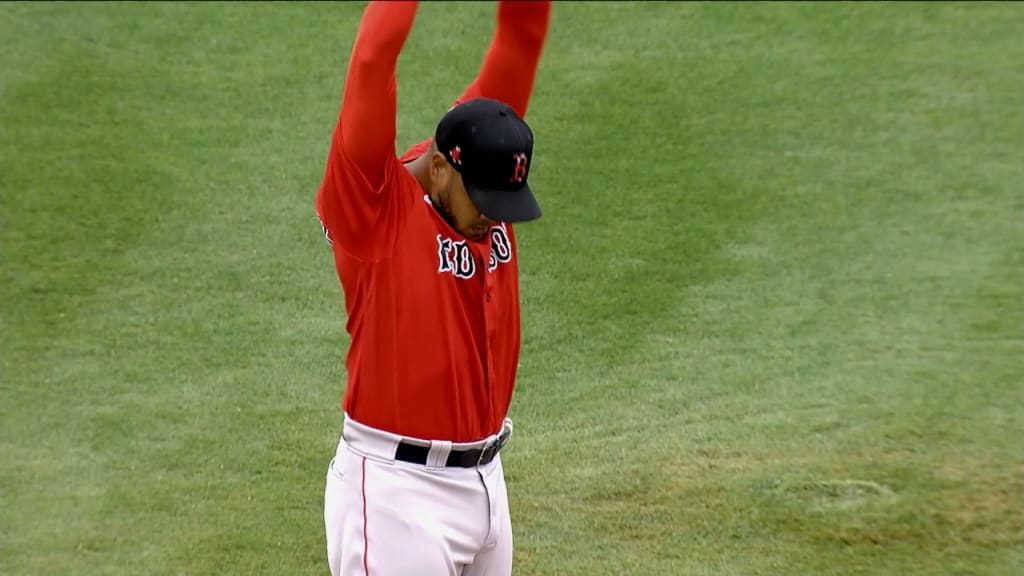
518 205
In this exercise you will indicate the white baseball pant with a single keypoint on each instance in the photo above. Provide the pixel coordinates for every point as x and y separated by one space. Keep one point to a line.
387 517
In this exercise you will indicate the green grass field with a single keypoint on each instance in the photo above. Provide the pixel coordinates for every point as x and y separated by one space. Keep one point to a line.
773 315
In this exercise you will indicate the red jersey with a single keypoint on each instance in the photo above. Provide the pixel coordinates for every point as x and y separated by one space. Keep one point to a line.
433 316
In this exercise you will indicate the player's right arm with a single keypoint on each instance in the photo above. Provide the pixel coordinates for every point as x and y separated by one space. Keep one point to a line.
353 196
366 127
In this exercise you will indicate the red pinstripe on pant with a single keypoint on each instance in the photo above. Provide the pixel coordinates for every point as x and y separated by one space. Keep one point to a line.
366 536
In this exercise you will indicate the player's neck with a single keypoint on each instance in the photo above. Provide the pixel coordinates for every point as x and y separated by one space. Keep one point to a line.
420 168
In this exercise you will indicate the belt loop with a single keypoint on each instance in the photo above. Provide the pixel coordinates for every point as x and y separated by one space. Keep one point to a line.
437 458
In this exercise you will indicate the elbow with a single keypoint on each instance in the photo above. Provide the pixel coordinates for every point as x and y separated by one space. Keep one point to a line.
529 20
368 56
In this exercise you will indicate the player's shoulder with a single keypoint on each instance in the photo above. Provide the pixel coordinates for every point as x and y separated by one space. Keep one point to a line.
415 151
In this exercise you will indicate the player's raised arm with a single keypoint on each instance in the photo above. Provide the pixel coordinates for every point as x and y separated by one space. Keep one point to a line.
510 65
366 127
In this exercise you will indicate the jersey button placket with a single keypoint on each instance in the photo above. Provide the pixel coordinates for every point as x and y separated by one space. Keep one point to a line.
489 313
489 301
488 282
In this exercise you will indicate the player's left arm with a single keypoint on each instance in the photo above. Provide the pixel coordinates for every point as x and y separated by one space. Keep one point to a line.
510 66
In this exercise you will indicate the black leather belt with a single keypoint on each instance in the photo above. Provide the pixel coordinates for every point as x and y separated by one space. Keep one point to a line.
461 458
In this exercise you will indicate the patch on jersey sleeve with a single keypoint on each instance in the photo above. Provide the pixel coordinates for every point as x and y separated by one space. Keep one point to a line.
327 233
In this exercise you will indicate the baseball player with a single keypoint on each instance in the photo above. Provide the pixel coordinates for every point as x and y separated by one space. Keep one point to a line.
425 250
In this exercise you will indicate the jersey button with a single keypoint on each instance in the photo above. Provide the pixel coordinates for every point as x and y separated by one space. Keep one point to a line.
487 297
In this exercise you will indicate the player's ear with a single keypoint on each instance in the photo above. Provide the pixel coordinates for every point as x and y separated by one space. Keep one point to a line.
440 171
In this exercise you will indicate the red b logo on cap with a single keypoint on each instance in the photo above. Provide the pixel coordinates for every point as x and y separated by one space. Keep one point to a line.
520 171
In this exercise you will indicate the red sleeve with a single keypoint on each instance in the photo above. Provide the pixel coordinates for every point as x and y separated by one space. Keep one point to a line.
358 201
510 65
366 127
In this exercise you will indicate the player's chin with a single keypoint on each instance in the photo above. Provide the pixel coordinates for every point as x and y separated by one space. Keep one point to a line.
476 234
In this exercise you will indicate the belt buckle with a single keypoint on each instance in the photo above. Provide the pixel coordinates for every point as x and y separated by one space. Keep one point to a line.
491 450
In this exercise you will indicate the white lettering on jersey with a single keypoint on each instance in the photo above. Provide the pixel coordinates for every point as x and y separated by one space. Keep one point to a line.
501 247
456 257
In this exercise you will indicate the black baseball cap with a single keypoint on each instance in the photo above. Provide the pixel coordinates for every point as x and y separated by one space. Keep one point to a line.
492 148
